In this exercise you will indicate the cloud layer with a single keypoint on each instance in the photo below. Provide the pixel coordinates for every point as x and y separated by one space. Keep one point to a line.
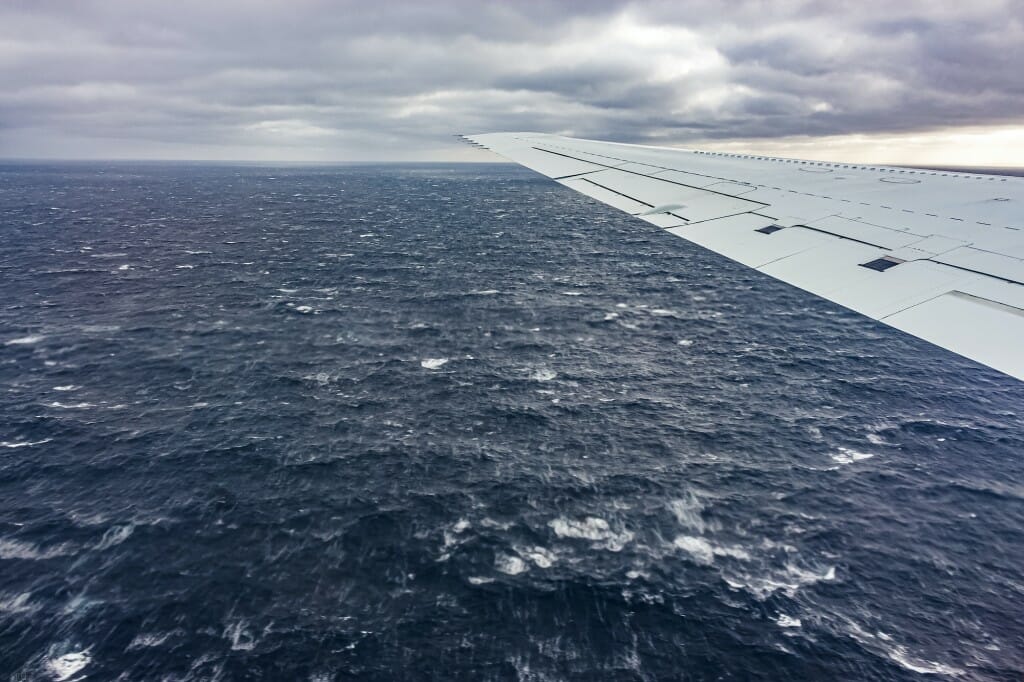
329 80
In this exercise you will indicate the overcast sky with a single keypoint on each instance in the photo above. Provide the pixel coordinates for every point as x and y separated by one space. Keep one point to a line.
895 80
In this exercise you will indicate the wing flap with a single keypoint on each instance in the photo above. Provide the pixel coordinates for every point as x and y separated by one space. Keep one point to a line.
969 325
975 260
834 265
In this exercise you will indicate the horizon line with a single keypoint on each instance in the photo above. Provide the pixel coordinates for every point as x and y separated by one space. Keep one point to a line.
992 169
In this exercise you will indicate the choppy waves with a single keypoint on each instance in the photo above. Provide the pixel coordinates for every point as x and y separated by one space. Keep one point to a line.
459 423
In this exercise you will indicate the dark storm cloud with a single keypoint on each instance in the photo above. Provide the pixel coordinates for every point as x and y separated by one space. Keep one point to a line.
337 80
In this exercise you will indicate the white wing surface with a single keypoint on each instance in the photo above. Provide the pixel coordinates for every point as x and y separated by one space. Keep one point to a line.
937 254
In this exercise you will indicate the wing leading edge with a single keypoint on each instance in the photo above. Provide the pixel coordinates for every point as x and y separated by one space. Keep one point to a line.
936 254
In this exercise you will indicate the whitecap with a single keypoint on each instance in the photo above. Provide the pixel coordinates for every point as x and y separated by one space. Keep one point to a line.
146 640
610 316
304 309
809 577
115 535
18 603
732 551
591 528
241 638
699 548
789 580
453 537
848 456
71 406
785 621
68 387
684 342
93 519
899 655
571 293
479 580
688 511
433 363
24 340
64 667
23 443
543 375
540 556
16 549
510 565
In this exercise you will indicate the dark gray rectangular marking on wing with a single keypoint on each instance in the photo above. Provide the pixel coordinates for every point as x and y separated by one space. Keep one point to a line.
882 264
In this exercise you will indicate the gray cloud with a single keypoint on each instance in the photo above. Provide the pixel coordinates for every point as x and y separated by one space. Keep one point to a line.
357 80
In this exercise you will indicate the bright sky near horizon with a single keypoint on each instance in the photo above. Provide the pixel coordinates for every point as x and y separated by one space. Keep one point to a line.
920 81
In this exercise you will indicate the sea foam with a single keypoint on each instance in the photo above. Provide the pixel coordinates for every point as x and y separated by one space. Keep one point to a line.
25 340
66 666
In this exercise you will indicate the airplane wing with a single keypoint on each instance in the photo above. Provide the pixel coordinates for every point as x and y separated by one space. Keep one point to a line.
937 254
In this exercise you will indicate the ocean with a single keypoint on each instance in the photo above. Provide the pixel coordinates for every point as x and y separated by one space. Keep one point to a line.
437 422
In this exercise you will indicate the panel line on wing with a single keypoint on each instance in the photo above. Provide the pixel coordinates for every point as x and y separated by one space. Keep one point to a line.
621 194
843 236
997 305
574 158
975 272
661 179
785 256
574 175
717 217
661 169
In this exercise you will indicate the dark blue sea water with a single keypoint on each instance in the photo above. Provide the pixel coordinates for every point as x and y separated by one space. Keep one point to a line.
458 422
